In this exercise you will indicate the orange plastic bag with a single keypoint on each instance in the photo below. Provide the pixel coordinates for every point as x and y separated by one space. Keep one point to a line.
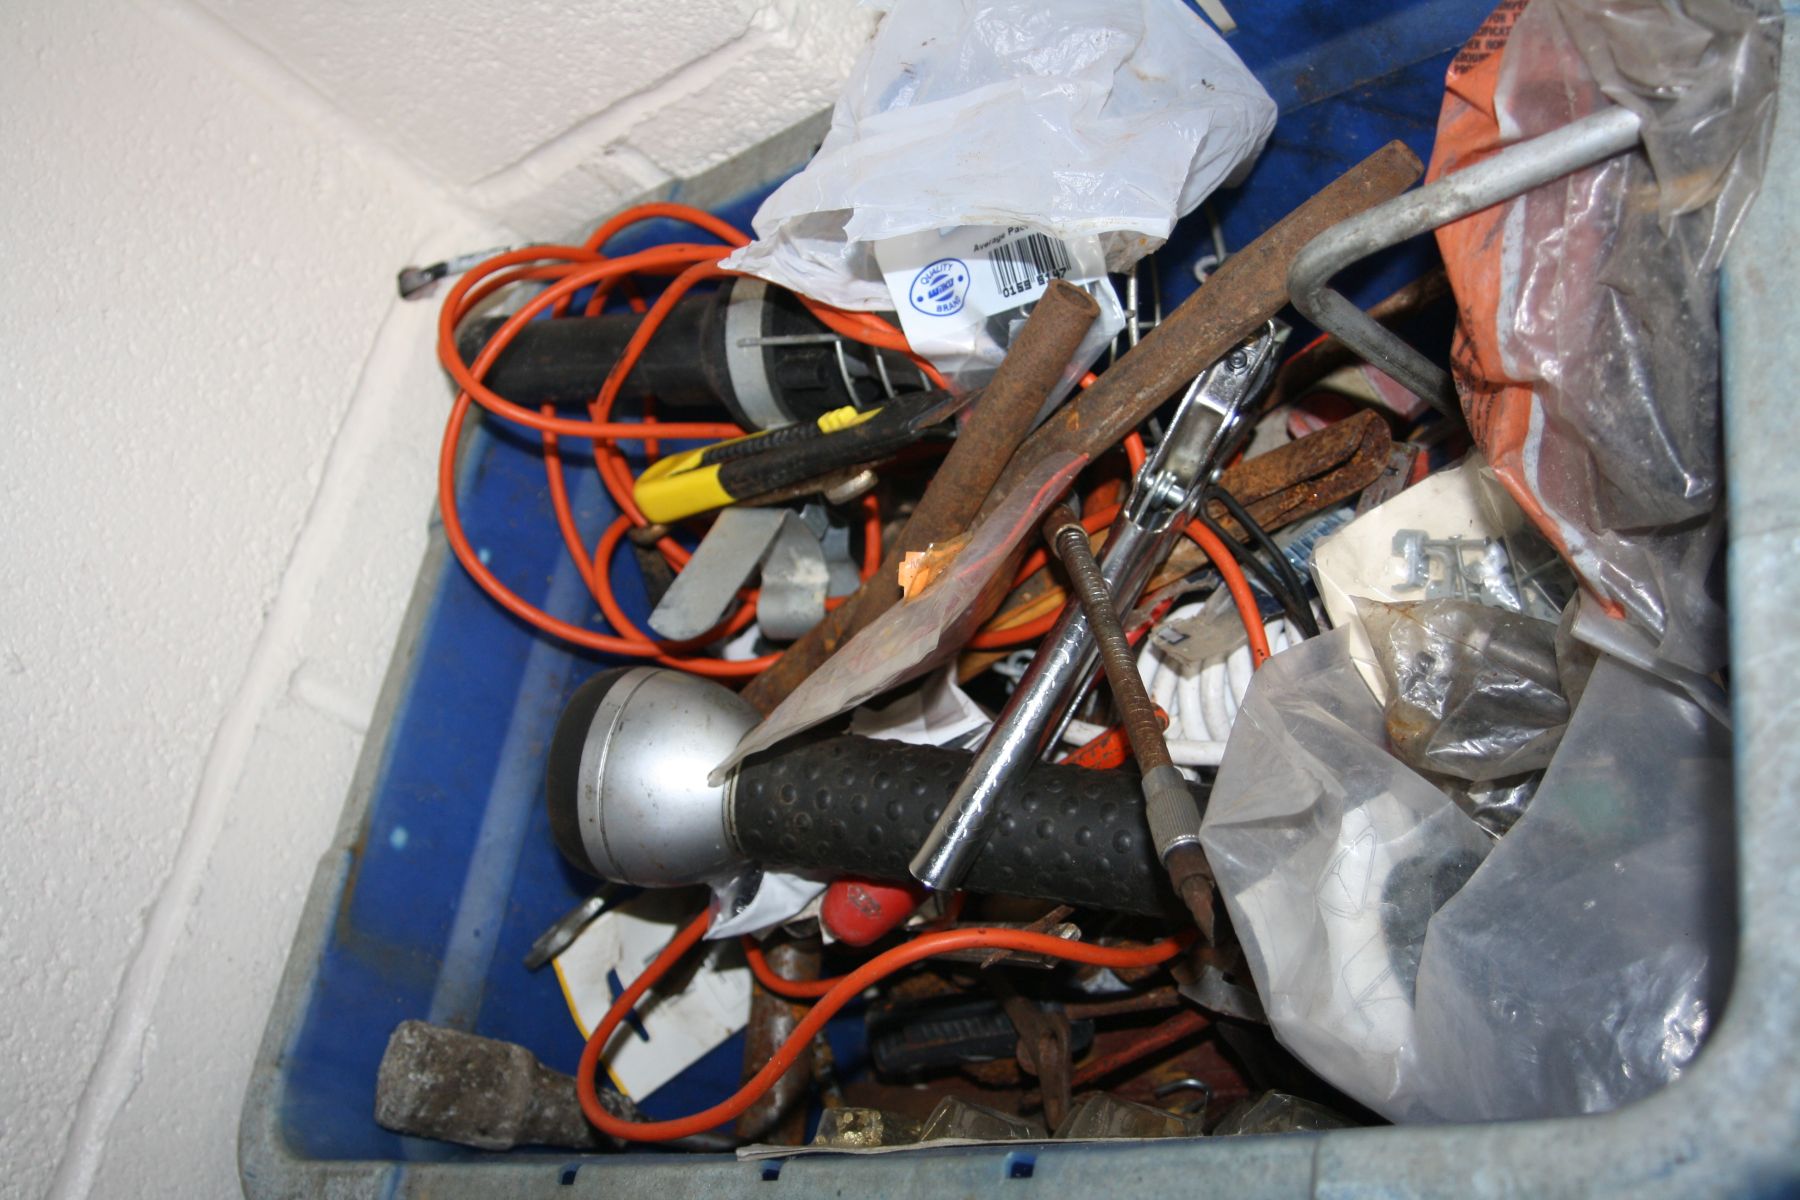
1587 349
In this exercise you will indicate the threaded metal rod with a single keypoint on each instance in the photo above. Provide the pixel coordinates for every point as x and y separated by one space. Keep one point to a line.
1136 710
1169 807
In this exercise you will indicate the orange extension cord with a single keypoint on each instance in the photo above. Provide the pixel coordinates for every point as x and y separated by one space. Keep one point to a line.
841 992
569 269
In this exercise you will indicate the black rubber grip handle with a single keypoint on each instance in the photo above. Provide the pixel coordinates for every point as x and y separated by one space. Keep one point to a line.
862 806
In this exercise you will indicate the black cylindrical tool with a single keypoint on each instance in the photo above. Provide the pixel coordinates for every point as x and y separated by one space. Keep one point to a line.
748 349
629 801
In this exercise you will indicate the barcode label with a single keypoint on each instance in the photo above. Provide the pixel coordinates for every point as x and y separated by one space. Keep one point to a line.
1031 262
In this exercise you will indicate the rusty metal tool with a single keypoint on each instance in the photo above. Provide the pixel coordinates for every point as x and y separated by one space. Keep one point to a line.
1206 426
560 936
999 421
1044 1048
1169 806
778 1116
1248 289
1052 922
1309 475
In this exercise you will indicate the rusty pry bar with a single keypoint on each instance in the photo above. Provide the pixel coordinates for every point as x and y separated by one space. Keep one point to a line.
1236 300
1002 417
1169 806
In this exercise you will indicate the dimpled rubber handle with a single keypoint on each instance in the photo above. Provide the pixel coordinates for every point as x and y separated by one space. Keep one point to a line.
862 806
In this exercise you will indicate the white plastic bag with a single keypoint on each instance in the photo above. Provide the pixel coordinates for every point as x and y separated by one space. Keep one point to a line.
1076 119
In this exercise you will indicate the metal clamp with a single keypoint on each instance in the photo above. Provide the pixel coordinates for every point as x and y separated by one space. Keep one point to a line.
1512 171
1208 423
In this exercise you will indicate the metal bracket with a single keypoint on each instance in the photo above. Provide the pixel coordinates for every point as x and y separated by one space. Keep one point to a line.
795 579
731 550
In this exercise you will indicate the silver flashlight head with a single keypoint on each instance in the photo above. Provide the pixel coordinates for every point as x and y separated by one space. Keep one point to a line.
626 778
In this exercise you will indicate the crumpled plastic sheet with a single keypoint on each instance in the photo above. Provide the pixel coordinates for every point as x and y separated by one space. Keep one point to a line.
920 632
1433 974
1331 856
1585 962
1071 117
1472 692
1588 353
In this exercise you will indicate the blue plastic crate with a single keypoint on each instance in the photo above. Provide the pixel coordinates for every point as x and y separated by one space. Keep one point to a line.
444 871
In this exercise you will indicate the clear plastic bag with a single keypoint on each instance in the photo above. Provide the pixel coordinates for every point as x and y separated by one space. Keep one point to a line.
1583 964
1331 856
1574 967
1074 118
1587 352
1472 692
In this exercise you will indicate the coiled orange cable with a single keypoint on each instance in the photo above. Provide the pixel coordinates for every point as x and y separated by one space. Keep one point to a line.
567 270
841 992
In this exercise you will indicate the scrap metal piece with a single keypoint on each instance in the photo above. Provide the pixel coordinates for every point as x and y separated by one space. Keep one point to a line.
1215 992
1160 1037
795 580
554 940
724 561
833 533
1396 476
1044 1050
1052 922
1516 169
956 1117
864 1128
1068 931
1187 1083
456 1087
1307 475
778 1116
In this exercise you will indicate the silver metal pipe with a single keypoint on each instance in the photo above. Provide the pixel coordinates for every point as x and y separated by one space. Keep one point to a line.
1514 170
1067 655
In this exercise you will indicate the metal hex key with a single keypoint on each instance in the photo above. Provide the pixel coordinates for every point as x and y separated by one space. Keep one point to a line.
1514 170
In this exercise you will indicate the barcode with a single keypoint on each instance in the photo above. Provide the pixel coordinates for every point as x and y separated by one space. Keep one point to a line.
1031 262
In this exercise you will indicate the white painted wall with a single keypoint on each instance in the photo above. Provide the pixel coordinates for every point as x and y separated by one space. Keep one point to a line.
221 433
